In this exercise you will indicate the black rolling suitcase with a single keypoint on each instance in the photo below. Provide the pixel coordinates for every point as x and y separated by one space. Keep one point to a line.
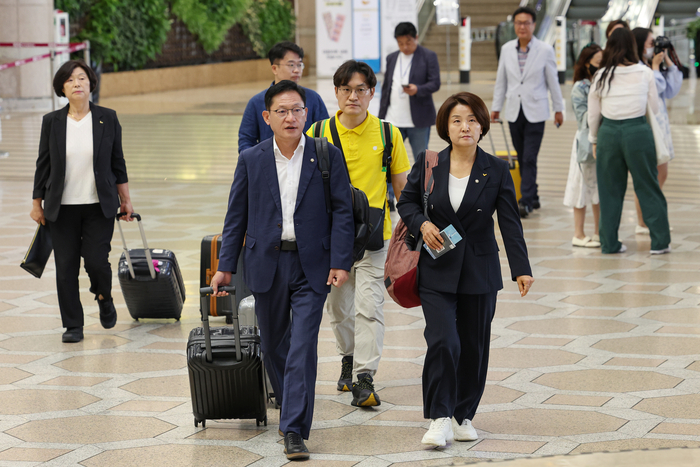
150 280
226 369
209 263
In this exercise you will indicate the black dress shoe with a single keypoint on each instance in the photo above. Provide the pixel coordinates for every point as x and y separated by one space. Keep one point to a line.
536 204
73 335
108 314
524 209
294 447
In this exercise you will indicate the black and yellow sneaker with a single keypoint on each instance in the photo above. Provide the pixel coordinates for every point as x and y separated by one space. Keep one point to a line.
363 394
345 381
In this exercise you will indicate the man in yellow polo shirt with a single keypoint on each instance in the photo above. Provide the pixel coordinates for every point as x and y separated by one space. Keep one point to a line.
357 308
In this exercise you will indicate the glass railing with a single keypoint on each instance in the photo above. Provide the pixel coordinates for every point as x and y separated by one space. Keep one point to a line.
545 28
426 15
638 13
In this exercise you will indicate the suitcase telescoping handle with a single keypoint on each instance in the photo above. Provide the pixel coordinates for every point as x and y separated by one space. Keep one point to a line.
204 292
149 260
511 163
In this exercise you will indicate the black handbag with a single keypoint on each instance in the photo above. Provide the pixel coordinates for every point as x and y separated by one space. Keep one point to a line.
360 204
38 253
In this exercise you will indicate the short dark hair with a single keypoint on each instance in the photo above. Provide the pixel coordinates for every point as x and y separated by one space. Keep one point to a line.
405 29
614 23
528 10
66 71
481 112
283 86
280 49
344 73
584 58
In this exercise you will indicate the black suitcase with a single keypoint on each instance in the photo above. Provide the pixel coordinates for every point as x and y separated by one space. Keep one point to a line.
209 262
150 280
226 369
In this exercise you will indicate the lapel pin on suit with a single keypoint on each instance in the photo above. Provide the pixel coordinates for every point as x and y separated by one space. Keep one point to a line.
312 160
100 121
476 181
485 175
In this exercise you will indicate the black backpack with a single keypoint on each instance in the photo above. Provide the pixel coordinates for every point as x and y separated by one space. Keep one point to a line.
360 204
372 237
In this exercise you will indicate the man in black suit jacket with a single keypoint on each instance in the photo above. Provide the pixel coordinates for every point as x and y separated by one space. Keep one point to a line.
412 76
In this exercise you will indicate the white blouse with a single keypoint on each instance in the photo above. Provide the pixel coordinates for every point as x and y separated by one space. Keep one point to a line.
79 186
626 97
457 187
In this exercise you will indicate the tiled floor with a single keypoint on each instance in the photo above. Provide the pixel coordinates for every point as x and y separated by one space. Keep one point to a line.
601 359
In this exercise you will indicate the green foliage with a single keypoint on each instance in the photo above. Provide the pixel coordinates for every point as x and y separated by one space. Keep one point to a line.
693 29
210 20
76 9
124 33
268 22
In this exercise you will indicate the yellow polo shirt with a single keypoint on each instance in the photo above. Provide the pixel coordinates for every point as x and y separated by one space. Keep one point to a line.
363 149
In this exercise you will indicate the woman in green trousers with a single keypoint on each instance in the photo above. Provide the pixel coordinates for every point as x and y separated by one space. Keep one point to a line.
623 141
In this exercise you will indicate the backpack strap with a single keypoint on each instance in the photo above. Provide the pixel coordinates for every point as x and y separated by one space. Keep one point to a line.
336 142
387 132
324 165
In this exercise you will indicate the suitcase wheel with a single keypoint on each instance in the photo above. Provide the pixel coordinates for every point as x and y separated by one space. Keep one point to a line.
196 423
263 421
229 319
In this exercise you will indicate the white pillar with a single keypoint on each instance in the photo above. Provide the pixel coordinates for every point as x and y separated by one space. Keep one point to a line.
465 49
560 48
26 21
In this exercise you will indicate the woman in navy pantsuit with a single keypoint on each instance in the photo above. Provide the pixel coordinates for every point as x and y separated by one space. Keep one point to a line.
458 290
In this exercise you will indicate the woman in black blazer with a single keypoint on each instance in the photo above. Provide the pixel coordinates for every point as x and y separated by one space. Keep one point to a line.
458 289
81 179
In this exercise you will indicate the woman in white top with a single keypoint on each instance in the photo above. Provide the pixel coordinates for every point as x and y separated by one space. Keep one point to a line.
622 141
582 184
81 180
668 84
458 289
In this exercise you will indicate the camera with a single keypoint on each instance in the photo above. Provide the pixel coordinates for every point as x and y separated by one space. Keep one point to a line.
662 43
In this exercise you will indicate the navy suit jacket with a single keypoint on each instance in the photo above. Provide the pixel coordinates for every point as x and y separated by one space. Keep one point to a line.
107 160
255 214
473 267
425 74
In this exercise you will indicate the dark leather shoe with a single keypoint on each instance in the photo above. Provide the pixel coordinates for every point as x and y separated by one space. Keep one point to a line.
108 314
294 447
73 335
536 204
524 209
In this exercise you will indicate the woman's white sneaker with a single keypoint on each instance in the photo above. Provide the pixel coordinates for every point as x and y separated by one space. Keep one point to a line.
439 433
465 431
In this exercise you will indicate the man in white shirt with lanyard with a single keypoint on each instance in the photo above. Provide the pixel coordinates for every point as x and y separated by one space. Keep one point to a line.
412 76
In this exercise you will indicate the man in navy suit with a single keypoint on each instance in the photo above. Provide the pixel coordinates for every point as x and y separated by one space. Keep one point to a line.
527 69
412 76
294 250
286 62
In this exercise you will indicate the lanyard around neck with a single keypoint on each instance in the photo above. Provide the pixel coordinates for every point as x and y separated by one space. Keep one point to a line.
408 65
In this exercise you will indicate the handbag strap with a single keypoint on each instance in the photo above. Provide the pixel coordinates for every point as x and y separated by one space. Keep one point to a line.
431 161
324 165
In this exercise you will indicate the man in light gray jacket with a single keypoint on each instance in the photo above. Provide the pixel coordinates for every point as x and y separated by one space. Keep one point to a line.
526 70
